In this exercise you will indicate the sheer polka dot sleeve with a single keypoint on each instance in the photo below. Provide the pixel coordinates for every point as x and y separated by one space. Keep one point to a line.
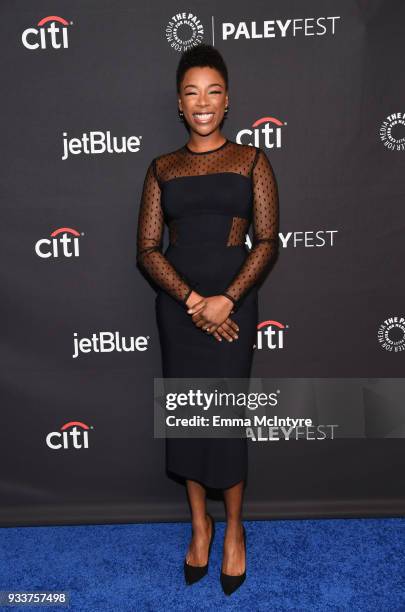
150 238
265 228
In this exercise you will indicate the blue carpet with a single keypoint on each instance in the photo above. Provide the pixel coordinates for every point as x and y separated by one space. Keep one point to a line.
300 565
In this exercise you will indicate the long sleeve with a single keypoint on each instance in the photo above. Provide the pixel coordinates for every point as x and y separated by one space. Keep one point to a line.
150 238
265 227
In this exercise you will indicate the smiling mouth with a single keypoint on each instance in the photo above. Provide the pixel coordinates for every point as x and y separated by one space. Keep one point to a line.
203 117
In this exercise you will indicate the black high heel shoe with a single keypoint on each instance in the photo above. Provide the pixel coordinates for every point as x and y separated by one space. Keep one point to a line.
230 583
193 573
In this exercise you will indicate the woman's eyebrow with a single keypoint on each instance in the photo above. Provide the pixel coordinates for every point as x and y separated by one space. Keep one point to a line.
211 85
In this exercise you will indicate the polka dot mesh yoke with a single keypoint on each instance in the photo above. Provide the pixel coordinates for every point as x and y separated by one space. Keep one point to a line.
229 157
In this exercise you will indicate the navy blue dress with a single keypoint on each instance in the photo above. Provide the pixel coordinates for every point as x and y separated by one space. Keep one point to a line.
208 201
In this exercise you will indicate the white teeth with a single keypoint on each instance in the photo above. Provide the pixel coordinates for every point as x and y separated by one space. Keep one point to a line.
203 117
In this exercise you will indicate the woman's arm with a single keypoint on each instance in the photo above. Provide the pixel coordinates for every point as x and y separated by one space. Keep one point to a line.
265 226
149 241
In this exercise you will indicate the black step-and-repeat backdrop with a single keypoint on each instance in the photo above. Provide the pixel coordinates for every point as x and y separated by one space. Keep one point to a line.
88 99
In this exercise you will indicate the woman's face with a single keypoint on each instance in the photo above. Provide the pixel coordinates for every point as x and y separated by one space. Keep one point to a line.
203 99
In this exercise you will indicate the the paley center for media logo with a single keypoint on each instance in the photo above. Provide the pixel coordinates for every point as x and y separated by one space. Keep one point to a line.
391 334
185 29
392 131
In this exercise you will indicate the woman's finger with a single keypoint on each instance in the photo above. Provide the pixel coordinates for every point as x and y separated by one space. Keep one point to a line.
201 323
230 330
210 329
233 324
222 331
199 318
197 306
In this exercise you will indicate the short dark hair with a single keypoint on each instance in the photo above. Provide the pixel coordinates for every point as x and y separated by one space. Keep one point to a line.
201 55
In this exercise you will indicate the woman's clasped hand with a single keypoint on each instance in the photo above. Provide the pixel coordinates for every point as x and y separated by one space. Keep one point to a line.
211 315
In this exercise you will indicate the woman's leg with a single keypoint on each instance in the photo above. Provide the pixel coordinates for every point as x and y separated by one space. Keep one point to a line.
197 553
234 551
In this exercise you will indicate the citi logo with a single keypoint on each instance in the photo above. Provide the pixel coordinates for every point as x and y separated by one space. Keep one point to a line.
265 133
64 242
270 335
74 434
54 36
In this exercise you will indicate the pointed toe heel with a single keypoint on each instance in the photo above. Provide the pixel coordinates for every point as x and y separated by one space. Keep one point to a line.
230 583
194 573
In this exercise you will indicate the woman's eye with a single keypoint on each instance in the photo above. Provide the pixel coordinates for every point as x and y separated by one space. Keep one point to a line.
192 93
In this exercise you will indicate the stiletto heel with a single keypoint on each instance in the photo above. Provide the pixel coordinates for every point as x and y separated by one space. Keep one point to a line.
230 583
193 573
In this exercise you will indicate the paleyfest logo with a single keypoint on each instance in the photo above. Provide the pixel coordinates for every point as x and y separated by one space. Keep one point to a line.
280 28
51 32
64 242
392 132
73 434
184 30
265 132
391 334
270 335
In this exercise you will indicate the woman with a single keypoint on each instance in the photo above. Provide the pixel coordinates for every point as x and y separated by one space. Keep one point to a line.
208 192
